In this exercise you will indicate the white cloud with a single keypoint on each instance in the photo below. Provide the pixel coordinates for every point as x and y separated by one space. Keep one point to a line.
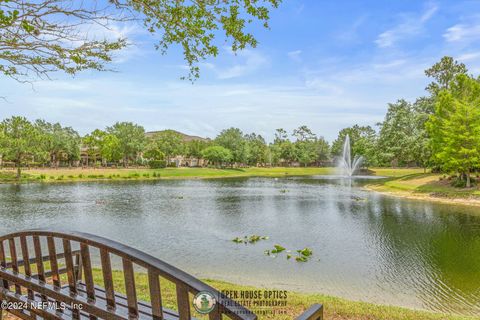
463 33
295 55
410 26
323 86
200 109
252 61
468 56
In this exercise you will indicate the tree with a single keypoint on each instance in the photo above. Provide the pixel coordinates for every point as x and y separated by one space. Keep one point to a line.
282 148
217 155
194 148
303 133
131 139
443 72
305 151
305 145
398 135
280 135
40 37
363 142
169 142
20 141
423 108
256 149
61 143
111 148
322 150
455 127
233 140
153 152
94 142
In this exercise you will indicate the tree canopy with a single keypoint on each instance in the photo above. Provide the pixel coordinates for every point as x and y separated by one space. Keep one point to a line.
38 38
20 140
131 139
455 126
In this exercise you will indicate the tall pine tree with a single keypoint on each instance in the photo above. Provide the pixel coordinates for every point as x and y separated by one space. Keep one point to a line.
454 128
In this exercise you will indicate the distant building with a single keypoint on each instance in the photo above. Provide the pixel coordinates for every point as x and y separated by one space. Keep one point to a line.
185 137
180 160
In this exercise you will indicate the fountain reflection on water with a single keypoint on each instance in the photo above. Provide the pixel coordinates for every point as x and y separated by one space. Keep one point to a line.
346 166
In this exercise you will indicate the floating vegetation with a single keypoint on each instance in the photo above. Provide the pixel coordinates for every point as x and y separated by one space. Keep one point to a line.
304 255
249 239
283 191
307 252
301 259
278 249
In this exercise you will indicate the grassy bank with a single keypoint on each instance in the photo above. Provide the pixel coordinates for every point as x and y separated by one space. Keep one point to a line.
90 174
335 308
427 186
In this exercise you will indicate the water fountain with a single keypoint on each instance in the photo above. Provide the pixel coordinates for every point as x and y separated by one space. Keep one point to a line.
346 166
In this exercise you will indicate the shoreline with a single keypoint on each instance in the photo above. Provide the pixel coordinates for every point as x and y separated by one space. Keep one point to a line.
407 183
471 202
52 175
335 308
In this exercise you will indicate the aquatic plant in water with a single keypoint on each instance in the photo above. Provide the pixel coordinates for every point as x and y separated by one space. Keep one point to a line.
249 239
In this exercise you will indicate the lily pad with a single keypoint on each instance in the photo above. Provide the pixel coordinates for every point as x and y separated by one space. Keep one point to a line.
306 252
301 259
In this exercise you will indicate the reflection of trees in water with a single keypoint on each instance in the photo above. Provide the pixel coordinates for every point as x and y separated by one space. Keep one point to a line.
432 248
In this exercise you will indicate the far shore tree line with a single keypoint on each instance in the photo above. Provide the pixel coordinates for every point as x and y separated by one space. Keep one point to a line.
440 130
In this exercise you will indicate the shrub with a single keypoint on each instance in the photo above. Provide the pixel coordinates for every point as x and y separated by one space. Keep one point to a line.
462 183
157 164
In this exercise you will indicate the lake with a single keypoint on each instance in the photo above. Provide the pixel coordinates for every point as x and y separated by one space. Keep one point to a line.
366 246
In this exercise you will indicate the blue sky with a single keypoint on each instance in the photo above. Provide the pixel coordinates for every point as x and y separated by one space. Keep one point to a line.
326 64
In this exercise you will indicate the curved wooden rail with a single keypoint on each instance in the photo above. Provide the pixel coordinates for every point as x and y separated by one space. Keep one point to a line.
97 302
24 280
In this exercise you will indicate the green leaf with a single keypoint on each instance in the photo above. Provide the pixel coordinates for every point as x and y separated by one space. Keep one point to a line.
306 252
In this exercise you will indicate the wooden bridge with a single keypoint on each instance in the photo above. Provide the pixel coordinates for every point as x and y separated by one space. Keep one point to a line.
47 274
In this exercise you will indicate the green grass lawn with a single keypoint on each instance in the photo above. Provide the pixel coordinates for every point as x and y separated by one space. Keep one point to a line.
335 308
424 184
90 174
396 172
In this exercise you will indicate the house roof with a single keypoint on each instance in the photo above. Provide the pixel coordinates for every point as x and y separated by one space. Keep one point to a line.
185 136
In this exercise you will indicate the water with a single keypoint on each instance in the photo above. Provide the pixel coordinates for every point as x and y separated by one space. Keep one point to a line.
346 166
366 246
